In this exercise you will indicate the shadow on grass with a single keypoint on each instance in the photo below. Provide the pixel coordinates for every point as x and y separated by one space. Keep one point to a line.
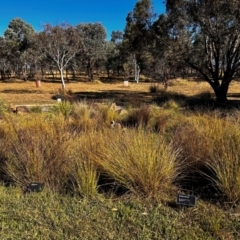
120 97
84 79
21 91
204 100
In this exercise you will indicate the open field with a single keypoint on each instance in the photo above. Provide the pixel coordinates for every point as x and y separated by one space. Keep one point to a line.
21 92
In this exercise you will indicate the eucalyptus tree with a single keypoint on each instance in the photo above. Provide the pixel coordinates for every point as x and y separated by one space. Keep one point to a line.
93 38
60 43
167 64
111 51
18 39
209 33
137 35
113 60
117 37
3 58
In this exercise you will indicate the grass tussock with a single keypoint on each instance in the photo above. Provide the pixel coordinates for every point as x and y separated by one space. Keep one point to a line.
37 150
64 108
84 173
3 107
224 163
140 161
210 145
139 117
84 117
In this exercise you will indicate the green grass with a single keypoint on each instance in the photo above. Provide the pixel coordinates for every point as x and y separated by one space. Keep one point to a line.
47 215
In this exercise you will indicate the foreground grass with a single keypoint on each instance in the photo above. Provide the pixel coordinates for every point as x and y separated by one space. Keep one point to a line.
49 216
120 183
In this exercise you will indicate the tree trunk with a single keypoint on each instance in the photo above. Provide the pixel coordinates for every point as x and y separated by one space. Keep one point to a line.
221 92
73 73
52 72
62 79
67 74
42 72
90 70
24 71
136 69
108 73
137 73
2 75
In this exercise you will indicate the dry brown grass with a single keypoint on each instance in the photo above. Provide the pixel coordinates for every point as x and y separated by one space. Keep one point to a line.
18 92
21 92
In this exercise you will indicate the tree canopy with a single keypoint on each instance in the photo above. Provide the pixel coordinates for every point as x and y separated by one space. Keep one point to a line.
93 37
61 43
209 34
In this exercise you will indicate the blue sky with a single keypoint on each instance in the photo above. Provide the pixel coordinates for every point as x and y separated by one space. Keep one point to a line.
111 13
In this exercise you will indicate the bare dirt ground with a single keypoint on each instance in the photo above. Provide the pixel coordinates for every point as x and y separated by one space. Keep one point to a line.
19 92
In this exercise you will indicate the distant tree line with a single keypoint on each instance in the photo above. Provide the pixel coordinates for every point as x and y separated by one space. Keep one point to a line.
194 38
